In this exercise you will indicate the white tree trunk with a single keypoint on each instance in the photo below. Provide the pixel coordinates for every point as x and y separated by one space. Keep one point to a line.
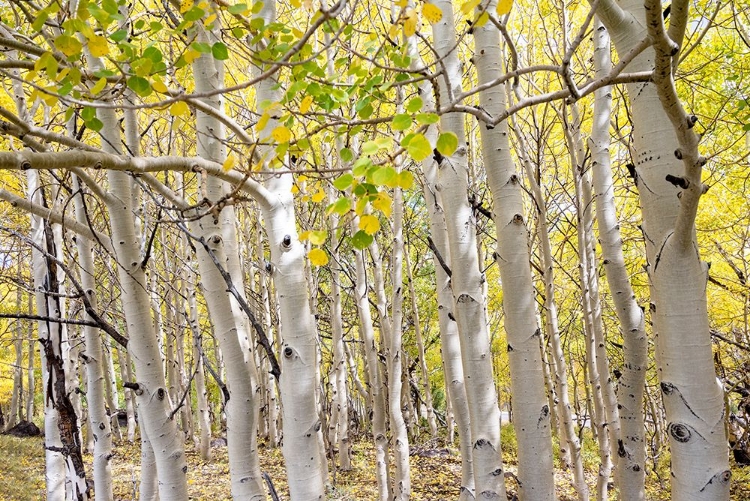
153 402
692 397
532 412
377 386
467 279
630 449
94 358
242 408
551 323
431 422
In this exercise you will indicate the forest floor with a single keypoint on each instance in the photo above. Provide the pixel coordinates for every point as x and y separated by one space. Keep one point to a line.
436 473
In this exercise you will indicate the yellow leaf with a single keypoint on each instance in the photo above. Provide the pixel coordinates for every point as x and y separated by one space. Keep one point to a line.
159 86
383 203
432 13
281 134
229 163
410 23
191 55
369 224
503 7
318 257
482 19
179 108
210 19
49 99
262 122
98 46
304 106
96 89
318 237
467 7
318 196
304 235
296 3
186 6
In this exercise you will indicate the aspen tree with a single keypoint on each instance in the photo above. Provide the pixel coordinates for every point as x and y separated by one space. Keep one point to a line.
668 169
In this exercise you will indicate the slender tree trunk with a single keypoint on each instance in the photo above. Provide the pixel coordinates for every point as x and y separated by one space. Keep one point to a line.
377 386
432 423
94 358
241 409
630 448
551 323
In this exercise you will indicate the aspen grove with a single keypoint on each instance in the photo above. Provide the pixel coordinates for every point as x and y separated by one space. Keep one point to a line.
360 232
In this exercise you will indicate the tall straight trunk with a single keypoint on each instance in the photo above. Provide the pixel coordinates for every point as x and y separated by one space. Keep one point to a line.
298 385
467 278
31 380
16 401
153 402
692 397
204 419
457 407
552 325
339 423
532 412
431 422
390 332
631 447
126 374
377 386
94 358
241 408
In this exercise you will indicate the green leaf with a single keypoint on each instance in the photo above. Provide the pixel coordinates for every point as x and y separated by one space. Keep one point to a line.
118 36
140 86
370 148
419 148
193 14
343 182
41 18
238 8
220 51
346 154
401 121
94 124
361 240
414 105
427 118
385 176
447 143
361 165
340 206
201 47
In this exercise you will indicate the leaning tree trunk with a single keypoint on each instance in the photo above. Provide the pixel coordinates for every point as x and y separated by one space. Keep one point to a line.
668 169
241 408
154 406
630 472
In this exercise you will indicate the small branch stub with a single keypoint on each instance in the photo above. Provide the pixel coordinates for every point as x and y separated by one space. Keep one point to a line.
678 181
286 242
288 352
